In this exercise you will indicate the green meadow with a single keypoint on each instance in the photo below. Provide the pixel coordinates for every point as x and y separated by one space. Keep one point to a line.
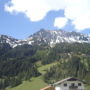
36 83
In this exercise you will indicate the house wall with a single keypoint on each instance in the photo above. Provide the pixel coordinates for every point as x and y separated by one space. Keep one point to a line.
62 87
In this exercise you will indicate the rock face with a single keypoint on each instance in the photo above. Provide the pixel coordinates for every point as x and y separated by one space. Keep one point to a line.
49 37
7 39
11 41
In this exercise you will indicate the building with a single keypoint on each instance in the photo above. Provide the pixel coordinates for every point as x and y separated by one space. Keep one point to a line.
66 84
69 84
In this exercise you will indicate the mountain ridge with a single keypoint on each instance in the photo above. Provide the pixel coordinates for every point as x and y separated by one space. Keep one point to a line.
49 37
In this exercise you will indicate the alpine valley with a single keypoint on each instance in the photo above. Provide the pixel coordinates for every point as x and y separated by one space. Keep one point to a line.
43 58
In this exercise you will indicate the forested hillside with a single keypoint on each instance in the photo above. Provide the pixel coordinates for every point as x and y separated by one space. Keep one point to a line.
20 63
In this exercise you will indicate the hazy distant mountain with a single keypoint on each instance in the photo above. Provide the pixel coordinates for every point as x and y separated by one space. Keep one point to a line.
49 37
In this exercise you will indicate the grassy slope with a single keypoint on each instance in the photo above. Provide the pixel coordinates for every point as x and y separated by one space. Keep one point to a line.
88 88
35 83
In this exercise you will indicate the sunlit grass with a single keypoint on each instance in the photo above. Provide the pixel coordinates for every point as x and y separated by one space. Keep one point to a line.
35 83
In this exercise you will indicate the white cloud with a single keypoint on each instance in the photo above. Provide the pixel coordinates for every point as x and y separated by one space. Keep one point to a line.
76 10
34 9
60 22
82 22
79 12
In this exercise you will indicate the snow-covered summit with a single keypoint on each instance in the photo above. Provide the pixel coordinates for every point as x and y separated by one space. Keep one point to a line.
49 37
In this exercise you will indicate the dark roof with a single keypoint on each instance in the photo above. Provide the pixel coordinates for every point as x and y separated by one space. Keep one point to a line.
68 79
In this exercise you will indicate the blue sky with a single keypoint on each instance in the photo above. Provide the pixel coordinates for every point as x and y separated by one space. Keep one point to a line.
18 21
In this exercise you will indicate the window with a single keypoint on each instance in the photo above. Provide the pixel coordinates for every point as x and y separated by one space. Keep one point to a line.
79 84
65 84
73 84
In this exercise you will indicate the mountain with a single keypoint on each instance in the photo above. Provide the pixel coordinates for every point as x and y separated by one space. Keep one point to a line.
7 39
51 37
11 41
48 37
22 63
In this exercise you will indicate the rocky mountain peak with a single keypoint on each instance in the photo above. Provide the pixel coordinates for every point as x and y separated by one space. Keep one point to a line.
49 37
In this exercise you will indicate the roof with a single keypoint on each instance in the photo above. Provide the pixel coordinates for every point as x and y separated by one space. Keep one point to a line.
68 79
48 88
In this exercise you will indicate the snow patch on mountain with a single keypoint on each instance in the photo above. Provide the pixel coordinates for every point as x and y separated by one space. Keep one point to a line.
48 37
